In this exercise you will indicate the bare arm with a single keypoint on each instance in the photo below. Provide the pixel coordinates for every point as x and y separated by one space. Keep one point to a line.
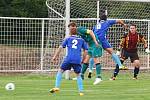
122 23
84 55
93 37
57 53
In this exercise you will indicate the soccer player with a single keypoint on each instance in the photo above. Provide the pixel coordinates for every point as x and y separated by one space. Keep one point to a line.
74 46
128 45
94 51
101 31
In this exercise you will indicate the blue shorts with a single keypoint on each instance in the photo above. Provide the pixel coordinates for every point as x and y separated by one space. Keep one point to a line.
67 66
104 42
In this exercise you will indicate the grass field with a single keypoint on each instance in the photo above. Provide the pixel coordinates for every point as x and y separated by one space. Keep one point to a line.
35 87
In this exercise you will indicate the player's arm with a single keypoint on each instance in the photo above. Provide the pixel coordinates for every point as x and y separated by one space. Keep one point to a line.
93 36
63 45
57 53
122 23
121 45
85 48
143 40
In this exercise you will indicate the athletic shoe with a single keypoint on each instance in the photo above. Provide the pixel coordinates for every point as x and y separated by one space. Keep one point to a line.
81 94
124 68
135 78
97 80
74 78
89 75
53 90
112 78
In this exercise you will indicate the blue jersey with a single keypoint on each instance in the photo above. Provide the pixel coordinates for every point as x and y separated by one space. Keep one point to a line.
101 31
74 46
101 28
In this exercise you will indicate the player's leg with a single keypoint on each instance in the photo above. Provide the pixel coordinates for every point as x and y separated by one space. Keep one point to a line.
135 60
106 45
85 66
77 70
97 52
64 66
91 65
116 71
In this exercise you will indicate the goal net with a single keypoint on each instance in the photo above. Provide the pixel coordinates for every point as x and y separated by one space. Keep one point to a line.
86 13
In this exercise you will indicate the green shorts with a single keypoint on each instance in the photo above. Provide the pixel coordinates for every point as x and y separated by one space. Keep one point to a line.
95 51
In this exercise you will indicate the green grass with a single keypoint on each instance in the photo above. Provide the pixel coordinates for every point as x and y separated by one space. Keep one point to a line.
35 87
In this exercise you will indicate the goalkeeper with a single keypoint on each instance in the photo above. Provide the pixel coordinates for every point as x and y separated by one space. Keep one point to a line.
128 45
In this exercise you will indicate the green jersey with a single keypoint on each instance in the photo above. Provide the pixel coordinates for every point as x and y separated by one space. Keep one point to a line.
85 34
93 50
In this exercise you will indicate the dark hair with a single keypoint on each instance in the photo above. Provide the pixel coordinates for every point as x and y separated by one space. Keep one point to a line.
103 17
72 24
133 25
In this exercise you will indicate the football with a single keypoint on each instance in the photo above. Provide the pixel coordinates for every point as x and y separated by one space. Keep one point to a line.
10 86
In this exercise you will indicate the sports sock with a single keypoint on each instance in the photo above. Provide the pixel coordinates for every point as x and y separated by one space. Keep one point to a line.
79 82
116 59
84 68
98 70
91 64
136 71
116 71
58 79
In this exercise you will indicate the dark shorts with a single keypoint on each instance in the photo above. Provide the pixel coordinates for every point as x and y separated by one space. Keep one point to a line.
68 66
133 56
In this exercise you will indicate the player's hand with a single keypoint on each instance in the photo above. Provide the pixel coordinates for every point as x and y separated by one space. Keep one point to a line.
118 53
125 26
147 50
54 58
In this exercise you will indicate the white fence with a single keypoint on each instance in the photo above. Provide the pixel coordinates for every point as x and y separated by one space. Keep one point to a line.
27 44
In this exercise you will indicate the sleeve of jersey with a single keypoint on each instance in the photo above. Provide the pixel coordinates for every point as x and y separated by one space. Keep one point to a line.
111 22
64 43
142 39
83 30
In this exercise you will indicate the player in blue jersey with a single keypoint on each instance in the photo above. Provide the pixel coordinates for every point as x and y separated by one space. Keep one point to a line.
73 59
101 31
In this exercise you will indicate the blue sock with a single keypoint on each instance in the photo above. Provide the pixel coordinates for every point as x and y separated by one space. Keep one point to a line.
116 59
58 79
79 82
91 64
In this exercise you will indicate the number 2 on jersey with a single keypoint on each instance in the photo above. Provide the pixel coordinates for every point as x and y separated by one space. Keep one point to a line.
74 44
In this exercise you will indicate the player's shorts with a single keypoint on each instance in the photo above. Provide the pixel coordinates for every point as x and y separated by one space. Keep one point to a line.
95 51
104 42
67 66
133 56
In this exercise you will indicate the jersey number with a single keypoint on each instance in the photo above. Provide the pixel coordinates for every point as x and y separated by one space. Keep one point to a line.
98 26
74 44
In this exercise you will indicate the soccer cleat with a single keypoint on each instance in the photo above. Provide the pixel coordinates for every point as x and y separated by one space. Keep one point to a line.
74 78
123 67
97 80
112 78
135 78
81 94
53 90
89 75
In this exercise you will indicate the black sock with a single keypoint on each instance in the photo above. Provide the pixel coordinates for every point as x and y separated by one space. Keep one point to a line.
136 71
116 71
